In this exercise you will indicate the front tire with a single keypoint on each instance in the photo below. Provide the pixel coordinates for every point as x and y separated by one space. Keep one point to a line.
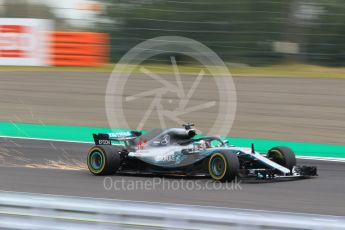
103 160
223 166
283 156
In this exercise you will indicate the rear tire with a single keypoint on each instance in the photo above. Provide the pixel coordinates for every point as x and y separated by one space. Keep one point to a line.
223 166
104 160
283 156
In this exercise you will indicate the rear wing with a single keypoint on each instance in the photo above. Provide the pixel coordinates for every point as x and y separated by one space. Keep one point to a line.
107 138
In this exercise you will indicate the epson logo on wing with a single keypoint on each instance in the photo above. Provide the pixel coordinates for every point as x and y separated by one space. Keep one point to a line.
104 142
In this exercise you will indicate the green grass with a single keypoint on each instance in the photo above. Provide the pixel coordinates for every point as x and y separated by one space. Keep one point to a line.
283 70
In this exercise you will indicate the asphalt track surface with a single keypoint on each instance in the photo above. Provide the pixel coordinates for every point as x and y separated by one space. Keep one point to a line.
59 168
296 109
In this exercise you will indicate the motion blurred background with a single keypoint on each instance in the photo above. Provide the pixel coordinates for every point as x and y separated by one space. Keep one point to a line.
55 61
245 32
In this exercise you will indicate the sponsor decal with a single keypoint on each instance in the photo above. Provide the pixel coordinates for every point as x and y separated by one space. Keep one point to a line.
120 134
104 142
23 41
14 41
170 157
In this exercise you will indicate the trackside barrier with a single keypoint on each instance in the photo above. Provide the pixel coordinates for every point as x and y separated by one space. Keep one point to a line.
78 48
37 211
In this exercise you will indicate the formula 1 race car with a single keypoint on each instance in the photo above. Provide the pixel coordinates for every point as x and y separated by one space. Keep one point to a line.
177 151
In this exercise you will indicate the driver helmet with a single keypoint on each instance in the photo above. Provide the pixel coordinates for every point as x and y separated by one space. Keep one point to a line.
200 144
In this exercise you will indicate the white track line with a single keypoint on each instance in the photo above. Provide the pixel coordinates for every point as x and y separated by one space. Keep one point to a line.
332 159
322 158
43 139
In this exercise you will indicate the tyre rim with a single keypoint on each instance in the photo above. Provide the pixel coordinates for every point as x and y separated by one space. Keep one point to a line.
217 166
96 160
277 157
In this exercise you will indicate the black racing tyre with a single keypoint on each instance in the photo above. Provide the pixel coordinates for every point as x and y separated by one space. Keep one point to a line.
103 159
223 166
283 156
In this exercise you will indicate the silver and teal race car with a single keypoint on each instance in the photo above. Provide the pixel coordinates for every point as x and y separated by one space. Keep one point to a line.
178 151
